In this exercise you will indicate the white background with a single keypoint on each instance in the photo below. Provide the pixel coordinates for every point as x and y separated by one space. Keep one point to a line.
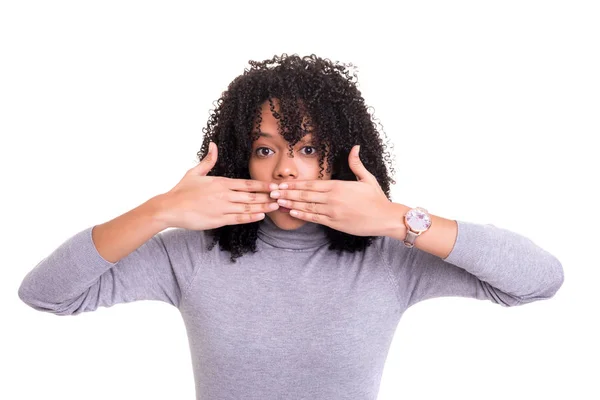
493 108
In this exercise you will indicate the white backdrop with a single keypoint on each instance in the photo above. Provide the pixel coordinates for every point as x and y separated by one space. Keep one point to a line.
492 107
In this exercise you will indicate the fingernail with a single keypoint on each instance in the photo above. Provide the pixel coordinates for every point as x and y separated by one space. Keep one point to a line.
275 194
283 186
273 186
273 206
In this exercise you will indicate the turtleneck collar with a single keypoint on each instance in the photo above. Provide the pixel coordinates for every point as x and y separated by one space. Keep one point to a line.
309 235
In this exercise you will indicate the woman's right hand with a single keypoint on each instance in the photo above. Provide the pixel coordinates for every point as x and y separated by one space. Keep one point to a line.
200 202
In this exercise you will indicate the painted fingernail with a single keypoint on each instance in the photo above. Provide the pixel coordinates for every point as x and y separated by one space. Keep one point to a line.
282 202
275 194
273 206
283 186
273 186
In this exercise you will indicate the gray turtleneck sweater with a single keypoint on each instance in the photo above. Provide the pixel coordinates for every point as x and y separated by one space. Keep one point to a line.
293 320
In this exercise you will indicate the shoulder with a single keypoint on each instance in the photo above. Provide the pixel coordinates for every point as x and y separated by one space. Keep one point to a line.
397 257
180 238
388 246
390 250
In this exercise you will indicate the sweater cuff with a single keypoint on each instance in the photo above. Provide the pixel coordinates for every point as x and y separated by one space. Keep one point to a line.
85 242
470 236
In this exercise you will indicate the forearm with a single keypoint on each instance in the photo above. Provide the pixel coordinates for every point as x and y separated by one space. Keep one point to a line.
122 235
438 240
493 263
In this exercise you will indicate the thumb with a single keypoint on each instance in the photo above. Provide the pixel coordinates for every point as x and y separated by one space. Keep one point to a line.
356 165
209 160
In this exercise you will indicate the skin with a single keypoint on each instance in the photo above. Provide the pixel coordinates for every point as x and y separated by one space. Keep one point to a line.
270 162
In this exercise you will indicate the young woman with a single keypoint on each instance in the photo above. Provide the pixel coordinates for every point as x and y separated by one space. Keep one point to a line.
315 265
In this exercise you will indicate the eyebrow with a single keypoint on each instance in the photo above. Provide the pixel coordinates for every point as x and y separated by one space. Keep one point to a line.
268 135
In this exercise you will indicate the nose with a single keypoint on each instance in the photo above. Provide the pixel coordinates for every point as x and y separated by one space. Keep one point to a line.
286 167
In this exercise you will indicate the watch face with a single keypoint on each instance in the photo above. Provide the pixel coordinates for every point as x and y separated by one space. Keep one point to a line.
418 219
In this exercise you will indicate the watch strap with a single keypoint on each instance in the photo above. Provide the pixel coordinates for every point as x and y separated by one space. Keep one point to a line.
409 240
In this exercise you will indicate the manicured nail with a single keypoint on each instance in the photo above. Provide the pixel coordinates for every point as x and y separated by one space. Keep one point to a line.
275 194
273 186
283 186
273 206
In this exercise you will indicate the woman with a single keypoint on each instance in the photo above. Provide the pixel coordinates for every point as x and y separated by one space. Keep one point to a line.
289 305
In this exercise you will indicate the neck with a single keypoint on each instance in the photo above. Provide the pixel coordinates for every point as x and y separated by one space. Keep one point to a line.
308 236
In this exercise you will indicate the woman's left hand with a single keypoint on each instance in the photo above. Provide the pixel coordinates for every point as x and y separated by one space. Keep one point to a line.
359 208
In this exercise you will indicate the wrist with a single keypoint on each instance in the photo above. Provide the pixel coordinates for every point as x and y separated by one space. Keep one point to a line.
397 229
438 240
157 210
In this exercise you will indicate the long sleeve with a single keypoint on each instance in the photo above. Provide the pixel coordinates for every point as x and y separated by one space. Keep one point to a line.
486 263
75 278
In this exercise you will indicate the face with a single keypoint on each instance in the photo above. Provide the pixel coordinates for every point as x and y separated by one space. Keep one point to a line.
270 161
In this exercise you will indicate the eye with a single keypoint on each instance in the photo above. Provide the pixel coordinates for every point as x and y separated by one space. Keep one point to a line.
260 151
313 152
261 154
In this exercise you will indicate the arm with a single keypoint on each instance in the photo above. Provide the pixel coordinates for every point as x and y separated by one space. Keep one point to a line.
123 260
438 240
481 261
120 236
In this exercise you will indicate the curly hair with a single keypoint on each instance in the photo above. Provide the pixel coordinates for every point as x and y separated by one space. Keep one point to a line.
307 88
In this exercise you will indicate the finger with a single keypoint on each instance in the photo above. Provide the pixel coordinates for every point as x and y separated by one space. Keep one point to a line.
315 208
358 168
236 219
209 161
314 185
311 217
248 197
248 185
301 195
245 208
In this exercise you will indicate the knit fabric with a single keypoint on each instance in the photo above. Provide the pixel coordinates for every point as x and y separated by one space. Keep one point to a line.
293 320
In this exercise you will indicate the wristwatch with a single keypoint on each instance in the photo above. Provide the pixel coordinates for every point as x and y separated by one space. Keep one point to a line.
417 221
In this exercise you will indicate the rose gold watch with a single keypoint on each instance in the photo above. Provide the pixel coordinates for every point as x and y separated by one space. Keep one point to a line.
417 221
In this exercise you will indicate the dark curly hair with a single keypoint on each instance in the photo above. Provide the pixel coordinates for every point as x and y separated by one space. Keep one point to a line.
306 87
